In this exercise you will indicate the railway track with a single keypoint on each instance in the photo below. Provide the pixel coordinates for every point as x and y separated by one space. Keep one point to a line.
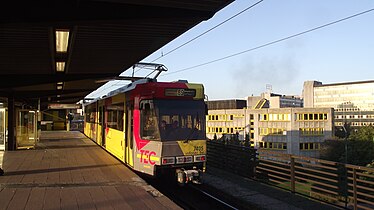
195 197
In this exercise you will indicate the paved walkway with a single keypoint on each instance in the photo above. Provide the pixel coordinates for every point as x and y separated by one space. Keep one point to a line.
69 171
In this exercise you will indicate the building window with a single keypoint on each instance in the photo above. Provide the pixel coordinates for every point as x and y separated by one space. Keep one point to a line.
312 116
311 131
264 131
261 144
310 146
263 117
276 131
273 145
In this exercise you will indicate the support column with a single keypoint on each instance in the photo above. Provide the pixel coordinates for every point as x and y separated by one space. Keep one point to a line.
39 121
11 124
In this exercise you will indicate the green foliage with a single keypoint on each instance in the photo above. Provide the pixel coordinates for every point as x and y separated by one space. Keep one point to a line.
358 152
365 133
341 132
360 147
332 150
370 165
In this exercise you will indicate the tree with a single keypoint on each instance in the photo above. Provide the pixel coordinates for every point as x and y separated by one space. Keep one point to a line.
360 147
365 133
341 132
333 150
359 152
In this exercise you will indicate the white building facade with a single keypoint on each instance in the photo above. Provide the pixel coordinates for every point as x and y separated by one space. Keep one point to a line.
353 102
298 131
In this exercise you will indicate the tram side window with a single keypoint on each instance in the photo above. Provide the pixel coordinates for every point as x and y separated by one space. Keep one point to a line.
100 116
87 116
115 116
90 115
148 121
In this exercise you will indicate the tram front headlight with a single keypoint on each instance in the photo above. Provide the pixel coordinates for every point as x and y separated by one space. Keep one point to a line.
168 160
199 158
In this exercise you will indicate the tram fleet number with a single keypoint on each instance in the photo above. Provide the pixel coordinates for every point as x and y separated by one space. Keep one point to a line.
198 148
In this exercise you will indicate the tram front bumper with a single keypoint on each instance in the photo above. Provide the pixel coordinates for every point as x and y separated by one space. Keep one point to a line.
191 175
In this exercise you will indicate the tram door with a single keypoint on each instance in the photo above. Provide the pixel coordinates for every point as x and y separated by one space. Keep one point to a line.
26 129
3 128
102 122
129 128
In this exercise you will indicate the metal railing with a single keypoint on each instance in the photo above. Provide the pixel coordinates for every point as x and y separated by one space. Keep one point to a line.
343 185
236 159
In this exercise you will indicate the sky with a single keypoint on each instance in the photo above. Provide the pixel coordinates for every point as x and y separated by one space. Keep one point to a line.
341 52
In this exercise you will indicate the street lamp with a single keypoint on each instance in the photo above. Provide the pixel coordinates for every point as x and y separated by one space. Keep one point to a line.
345 166
345 144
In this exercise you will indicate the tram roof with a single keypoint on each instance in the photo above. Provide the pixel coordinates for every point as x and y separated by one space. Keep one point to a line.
105 37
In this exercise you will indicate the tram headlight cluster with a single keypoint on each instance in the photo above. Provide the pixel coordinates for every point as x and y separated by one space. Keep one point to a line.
183 159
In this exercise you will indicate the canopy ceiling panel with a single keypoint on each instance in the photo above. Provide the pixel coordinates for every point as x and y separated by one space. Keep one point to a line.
104 38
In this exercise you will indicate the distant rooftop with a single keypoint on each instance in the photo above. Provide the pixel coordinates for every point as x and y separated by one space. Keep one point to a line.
347 83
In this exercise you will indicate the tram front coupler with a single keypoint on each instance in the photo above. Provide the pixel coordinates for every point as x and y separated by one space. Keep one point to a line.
186 176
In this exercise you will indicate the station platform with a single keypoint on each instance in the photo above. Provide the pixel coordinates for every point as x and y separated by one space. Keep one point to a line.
66 170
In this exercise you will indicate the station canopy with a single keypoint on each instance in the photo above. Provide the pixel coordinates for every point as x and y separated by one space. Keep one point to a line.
58 50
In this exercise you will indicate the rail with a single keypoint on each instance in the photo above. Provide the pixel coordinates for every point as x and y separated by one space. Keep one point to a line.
341 184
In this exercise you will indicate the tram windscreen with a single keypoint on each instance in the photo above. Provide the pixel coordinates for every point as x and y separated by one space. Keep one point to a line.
173 120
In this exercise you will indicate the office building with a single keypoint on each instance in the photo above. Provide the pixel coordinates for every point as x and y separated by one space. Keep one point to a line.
353 102
298 131
272 100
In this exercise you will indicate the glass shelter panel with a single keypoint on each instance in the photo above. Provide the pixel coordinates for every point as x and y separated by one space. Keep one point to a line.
2 129
26 129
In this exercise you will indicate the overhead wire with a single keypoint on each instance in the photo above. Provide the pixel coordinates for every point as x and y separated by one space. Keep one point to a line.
272 42
209 30
193 39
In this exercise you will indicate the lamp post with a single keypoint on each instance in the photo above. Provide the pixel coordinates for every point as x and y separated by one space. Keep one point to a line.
345 165
345 135
345 145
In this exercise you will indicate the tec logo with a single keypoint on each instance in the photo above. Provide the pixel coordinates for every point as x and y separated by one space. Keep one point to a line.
145 157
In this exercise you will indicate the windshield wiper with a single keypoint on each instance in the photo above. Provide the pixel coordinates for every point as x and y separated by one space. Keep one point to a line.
193 130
